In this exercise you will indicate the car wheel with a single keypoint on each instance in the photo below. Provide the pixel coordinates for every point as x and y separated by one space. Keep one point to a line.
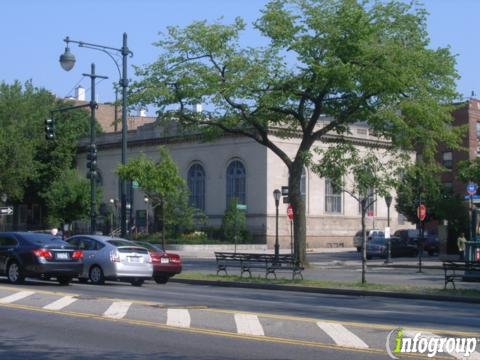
161 279
96 275
369 257
359 249
64 280
137 282
15 273
82 280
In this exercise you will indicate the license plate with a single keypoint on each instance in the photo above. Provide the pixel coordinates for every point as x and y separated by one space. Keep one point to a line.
133 259
164 260
62 256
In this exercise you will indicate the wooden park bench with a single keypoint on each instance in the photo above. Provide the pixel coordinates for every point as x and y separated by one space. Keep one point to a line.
267 262
455 270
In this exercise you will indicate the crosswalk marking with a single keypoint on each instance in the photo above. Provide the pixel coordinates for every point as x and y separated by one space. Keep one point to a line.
411 333
60 303
248 324
178 318
15 297
341 335
117 310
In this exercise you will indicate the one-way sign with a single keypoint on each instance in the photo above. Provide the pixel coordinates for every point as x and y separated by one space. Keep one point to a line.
6 210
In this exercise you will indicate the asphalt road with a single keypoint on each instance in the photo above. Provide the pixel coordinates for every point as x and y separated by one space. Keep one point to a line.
179 321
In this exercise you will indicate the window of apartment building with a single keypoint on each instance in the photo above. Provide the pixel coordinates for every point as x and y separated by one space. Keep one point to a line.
333 198
196 184
478 130
447 159
236 182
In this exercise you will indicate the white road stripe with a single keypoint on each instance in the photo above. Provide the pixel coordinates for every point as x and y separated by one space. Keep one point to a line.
248 324
60 303
117 310
341 335
178 318
17 296
411 333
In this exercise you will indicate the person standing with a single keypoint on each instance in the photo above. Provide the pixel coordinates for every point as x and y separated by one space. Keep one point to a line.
461 241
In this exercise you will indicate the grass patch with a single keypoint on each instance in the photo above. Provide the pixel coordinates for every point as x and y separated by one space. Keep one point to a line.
333 284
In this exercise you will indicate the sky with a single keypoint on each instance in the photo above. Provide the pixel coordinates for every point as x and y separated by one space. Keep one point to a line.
32 33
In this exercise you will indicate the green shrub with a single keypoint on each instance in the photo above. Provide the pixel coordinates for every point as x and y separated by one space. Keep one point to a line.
234 223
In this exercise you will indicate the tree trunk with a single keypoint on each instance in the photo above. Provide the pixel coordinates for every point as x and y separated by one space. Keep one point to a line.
299 219
363 203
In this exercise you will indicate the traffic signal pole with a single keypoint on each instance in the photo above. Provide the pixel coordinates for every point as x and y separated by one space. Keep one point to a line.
92 151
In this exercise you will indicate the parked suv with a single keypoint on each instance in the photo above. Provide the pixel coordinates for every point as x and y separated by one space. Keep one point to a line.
412 236
358 238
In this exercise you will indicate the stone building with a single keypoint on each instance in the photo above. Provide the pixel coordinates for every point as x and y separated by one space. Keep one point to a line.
235 166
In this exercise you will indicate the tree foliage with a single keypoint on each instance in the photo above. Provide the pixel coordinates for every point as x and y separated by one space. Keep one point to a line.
421 183
30 164
163 185
326 65
234 223
68 198
361 172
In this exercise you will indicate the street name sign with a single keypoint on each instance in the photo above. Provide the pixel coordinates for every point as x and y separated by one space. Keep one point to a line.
241 207
6 210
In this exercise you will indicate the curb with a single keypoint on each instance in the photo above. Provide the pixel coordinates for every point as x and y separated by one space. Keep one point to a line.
332 291
405 266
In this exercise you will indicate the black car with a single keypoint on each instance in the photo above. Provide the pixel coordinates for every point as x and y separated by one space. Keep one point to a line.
26 254
378 247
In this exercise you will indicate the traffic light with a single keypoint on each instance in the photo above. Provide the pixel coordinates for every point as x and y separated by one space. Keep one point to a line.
49 129
92 160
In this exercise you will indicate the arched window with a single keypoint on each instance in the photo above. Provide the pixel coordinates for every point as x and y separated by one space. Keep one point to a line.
236 182
196 184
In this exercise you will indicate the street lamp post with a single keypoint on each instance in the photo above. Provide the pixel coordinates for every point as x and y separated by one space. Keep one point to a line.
276 195
388 201
67 61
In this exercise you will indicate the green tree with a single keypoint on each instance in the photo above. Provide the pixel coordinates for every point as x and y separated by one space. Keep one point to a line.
421 182
30 164
326 64
364 174
164 186
234 223
68 198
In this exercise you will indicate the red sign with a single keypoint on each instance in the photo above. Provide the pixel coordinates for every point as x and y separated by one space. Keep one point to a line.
290 211
422 212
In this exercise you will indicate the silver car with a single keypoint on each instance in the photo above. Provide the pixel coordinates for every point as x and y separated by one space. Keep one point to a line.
111 258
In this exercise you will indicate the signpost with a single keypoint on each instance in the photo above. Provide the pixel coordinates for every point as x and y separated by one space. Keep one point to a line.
421 214
6 210
472 195
290 216
238 207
